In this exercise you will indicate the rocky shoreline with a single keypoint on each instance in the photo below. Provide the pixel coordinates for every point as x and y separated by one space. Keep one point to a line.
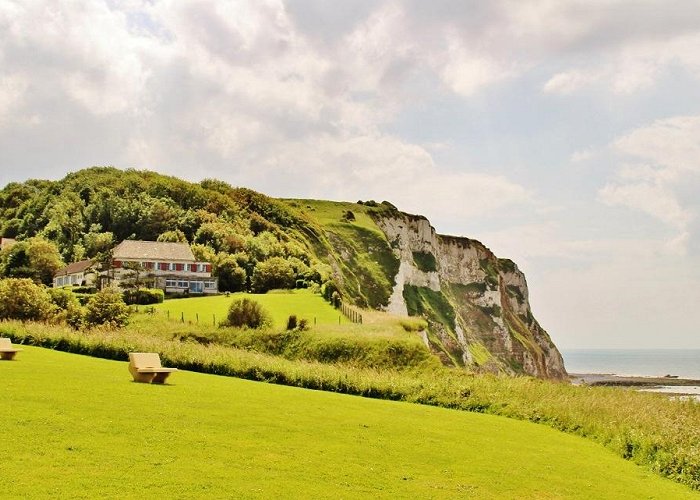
609 379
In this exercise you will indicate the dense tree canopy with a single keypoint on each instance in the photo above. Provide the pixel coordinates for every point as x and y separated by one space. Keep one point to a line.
88 212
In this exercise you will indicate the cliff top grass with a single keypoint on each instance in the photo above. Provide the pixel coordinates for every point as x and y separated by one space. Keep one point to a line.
81 429
330 213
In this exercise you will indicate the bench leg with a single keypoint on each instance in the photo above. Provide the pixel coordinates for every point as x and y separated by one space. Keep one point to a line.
160 377
144 378
9 356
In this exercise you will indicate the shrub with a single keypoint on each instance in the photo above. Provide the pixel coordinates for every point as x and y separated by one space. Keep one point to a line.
231 276
61 297
425 261
275 272
21 298
247 313
71 310
144 296
83 298
84 289
107 307
292 322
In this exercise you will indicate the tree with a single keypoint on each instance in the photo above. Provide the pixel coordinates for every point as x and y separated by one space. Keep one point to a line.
24 300
231 276
107 308
275 272
70 309
35 258
97 243
263 246
175 236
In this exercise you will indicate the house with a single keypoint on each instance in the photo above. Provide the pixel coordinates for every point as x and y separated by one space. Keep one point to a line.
6 243
81 273
168 266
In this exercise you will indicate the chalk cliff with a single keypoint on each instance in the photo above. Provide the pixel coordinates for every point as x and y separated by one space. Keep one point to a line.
476 304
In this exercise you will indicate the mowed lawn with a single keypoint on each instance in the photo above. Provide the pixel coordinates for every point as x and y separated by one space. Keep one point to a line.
280 304
77 427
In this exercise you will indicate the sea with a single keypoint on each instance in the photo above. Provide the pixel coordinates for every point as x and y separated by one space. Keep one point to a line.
684 363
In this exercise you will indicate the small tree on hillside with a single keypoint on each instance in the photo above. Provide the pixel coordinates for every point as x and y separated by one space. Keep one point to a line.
108 308
24 300
231 276
275 272
69 307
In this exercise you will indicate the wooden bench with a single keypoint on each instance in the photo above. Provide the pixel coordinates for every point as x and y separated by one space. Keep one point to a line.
145 367
6 350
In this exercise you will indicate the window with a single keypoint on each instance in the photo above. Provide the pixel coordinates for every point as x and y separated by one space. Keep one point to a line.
170 283
196 286
183 284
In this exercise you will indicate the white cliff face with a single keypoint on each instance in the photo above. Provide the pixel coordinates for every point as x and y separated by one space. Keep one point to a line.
408 238
494 329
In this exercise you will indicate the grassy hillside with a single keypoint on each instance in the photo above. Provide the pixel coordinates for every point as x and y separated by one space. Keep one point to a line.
81 429
346 237
645 428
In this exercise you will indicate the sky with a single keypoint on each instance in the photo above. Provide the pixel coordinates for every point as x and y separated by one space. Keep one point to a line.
563 134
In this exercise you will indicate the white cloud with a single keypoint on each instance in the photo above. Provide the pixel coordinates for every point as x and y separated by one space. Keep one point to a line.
673 144
569 82
582 155
656 200
467 71
669 155
632 66
12 91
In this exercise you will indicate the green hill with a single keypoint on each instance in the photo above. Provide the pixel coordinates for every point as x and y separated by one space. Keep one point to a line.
366 254
77 427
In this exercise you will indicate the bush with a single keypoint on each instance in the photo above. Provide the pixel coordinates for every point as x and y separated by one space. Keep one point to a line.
275 272
292 322
232 277
247 313
84 289
70 307
61 297
83 298
21 298
107 307
144 296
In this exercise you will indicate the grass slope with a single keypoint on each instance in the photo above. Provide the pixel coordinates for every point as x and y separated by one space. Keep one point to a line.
280 305
80 429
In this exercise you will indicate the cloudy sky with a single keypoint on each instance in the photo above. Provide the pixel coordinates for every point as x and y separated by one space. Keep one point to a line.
563 134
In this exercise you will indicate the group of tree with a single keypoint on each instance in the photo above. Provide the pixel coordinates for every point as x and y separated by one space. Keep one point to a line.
252 241
22 299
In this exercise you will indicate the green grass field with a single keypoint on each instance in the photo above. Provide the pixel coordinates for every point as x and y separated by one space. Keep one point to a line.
280 305
77 427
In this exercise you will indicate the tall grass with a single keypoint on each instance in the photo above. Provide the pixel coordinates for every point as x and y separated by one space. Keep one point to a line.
647 428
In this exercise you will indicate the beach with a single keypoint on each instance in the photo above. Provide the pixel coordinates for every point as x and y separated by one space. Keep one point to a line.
671 385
